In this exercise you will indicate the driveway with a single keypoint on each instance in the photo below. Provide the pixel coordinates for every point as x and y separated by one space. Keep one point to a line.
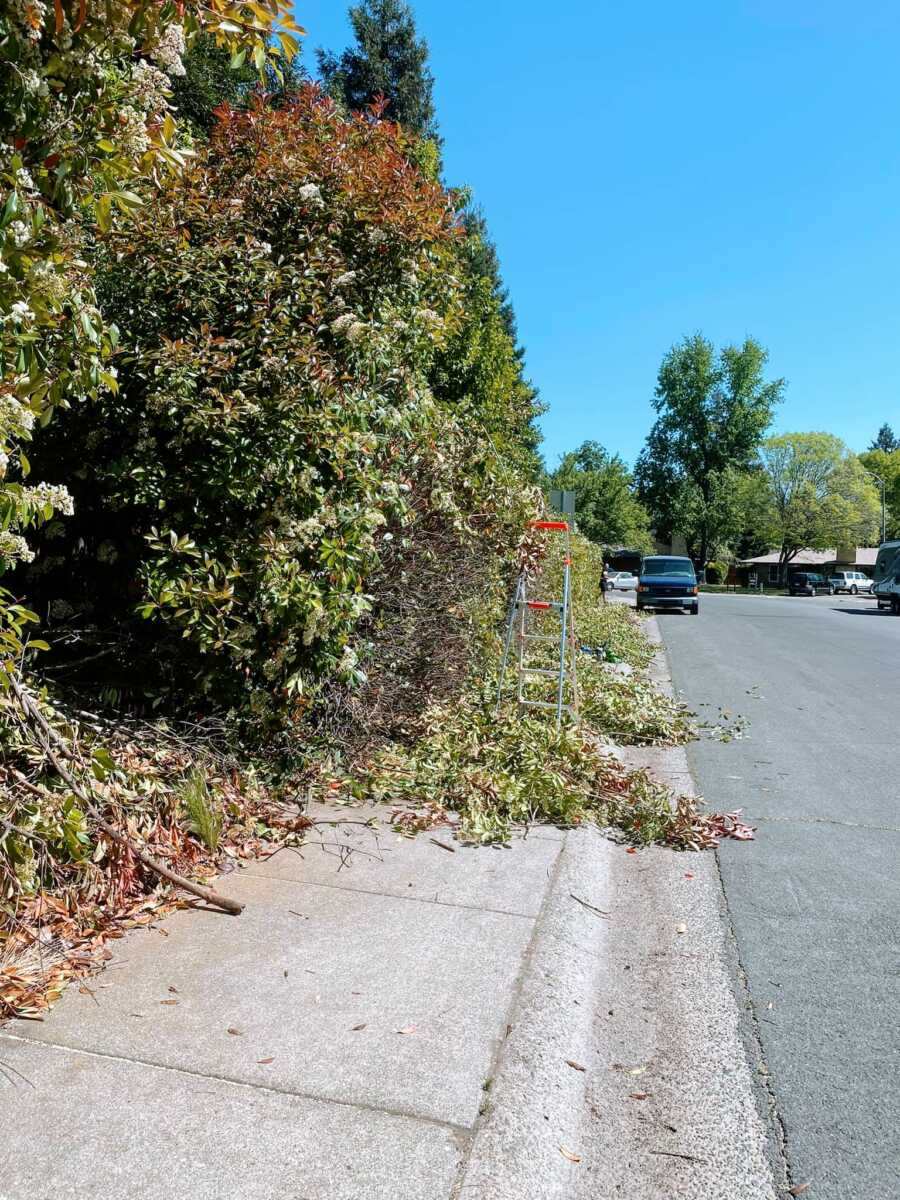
814 902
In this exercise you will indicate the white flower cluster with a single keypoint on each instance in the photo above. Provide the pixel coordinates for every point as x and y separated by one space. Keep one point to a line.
306 532
52 495
345 279
309 193
50 282
19 314
352 329
14 548
150 88
20 232
132 133
169 49
16 418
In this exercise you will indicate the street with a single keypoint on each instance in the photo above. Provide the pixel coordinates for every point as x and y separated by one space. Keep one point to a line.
814 902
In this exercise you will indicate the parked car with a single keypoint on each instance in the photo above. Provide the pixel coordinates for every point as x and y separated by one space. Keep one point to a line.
808 583
850 581
623 581
668 582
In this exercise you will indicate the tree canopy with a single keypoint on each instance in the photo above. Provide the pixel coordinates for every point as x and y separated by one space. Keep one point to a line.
713 411
819 495
885 464
607 510
885 440
389 60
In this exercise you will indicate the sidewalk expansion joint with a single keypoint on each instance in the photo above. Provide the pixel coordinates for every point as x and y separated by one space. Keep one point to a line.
340 887
463 1131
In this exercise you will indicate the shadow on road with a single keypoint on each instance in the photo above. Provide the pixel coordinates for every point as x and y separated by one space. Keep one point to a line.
864 612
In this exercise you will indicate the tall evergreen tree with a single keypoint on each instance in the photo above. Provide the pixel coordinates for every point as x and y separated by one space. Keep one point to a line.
886 440
389 59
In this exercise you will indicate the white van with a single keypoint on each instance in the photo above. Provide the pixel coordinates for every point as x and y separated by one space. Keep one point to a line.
886 585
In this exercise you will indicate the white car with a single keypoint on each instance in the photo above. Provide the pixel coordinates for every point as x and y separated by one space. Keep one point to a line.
850 581
622 581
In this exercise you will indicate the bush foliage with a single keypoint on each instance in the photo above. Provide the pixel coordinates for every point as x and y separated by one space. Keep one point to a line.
275 457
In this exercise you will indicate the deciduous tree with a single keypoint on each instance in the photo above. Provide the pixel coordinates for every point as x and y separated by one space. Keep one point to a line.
819 495
713 410
607 510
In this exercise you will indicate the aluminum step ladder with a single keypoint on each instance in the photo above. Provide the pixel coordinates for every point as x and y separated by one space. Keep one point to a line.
520 629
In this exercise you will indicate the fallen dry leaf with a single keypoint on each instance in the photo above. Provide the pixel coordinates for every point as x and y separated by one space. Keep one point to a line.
638 1095
172 988
265 1061
636 1070
407 1029
799 1189
234 1032
575 1158
168 1001
689 874
356 1028
630 850
681 928
574 1065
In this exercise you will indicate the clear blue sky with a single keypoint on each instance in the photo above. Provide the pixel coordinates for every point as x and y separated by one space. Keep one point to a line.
647 171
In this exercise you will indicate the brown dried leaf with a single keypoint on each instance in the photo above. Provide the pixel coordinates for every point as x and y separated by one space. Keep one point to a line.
407 1029
638 1095
574 1065
570 1155
234 1032
168 1001
172 988
799 1189
264 1061
356 1028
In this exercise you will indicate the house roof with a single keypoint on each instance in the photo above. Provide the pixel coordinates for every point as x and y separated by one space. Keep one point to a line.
864 557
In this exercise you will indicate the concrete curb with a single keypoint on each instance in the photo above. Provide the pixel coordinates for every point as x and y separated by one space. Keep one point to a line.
535 1111
645 1002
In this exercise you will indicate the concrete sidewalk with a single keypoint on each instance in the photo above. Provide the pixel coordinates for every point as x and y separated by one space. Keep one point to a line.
411 1024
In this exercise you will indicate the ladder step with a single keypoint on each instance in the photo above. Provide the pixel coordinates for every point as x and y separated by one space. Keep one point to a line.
544 604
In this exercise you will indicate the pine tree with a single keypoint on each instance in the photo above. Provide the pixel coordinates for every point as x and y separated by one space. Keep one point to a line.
886 440
389 59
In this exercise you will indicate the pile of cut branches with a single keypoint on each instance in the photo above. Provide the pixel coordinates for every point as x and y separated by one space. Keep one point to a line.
107 824
497 767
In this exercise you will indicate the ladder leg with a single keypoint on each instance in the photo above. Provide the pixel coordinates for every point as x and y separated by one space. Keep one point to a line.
507 641
523 610
563 639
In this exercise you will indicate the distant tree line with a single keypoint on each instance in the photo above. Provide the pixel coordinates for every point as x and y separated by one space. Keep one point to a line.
710 475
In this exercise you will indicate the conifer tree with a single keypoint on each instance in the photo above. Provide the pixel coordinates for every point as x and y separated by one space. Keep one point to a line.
389 59
886 440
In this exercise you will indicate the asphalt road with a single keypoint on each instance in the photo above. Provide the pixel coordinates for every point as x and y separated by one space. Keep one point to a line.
814 902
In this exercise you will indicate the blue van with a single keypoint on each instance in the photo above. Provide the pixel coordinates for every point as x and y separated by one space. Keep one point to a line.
668 582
